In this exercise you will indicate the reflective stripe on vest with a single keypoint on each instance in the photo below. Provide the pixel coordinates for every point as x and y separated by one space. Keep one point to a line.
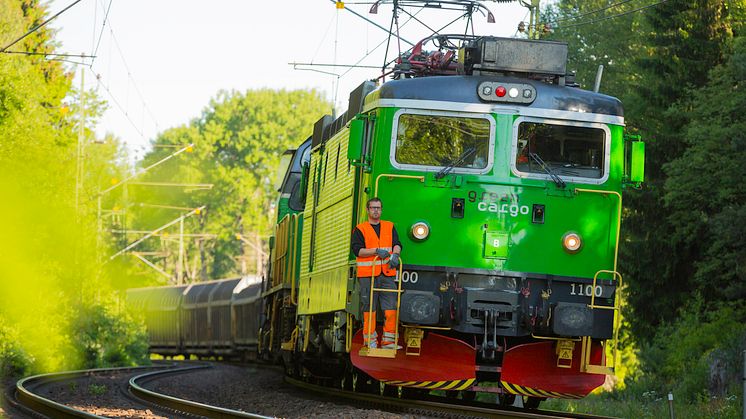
366 266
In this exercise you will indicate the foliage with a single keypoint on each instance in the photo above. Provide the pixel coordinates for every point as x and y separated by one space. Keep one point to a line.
97 389
679 69
685 40
680 356
679 360
106 338
627 362
13 358
49 245
613 43
653 405
238 141
715 137
655 60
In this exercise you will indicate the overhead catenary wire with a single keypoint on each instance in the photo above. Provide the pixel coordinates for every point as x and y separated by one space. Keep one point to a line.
333 65
130 77
380 44
564 19
47 54
66 61
335 82
93 27
39 26
349 67
116 102
417 20
371 22
323 38
612 16
384 41
103 26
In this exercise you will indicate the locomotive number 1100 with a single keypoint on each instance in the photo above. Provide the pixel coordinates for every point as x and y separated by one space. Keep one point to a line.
585 290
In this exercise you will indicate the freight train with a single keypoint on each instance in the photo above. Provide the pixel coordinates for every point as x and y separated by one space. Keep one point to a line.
504 180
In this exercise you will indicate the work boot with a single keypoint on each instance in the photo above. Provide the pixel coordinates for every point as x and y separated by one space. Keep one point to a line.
389 331
371 343
369 323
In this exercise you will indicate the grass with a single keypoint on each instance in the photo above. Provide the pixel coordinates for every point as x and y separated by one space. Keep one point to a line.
97 389
651 406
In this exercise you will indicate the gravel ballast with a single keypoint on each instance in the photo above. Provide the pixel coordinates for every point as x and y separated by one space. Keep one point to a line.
261 391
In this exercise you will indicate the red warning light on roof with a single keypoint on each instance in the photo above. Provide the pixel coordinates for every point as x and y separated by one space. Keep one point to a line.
500 91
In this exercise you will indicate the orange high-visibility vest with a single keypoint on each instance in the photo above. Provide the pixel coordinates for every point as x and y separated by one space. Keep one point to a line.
365 265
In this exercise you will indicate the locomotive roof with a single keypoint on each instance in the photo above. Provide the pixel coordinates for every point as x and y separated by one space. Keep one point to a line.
463 89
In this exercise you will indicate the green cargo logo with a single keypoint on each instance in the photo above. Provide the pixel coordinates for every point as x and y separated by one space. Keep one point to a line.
512 209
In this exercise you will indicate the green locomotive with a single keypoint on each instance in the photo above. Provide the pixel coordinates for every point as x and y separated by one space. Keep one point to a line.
504 181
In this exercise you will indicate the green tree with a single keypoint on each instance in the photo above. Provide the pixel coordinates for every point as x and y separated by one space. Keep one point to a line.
49 242
653 60
598 33
238 142
705 189
685 39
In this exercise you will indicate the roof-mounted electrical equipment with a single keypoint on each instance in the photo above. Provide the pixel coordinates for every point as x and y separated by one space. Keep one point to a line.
535 59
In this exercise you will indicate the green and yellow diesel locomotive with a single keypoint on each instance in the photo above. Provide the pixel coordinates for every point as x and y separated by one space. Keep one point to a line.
504 180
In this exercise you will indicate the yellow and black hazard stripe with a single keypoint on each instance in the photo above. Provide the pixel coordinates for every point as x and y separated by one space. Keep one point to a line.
535 392
434 385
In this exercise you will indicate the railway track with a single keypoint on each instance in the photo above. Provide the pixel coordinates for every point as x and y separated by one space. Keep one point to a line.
27 397
31 395
182 405
438 408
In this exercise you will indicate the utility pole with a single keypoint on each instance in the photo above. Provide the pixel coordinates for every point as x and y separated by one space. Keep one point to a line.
81 137
180 267
533 20
533 27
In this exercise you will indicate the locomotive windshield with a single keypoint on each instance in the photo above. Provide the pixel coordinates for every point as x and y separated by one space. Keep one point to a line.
567 150
440 140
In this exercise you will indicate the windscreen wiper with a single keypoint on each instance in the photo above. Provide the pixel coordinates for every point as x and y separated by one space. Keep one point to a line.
560 183
446 170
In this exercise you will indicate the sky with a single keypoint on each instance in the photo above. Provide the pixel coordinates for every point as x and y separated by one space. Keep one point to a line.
158 63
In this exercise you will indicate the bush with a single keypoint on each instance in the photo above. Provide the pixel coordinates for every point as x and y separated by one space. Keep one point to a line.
686 356
106 338
14 361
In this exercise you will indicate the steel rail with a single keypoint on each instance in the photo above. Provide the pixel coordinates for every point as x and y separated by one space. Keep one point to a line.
420 406
26 398
182 405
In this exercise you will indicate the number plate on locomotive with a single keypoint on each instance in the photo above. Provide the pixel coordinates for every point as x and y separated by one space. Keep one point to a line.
587 290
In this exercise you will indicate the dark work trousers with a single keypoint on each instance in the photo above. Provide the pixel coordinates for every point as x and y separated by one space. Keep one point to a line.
386 299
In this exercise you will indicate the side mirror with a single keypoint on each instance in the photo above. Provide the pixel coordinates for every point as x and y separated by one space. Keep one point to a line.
637 162
357 133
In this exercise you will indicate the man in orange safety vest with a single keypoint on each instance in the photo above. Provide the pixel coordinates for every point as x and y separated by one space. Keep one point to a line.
376 245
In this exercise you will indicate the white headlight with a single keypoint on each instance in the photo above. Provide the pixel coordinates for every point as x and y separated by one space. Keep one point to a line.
420 230
571 242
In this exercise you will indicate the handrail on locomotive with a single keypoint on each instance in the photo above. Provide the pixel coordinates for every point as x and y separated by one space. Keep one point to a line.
383 352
